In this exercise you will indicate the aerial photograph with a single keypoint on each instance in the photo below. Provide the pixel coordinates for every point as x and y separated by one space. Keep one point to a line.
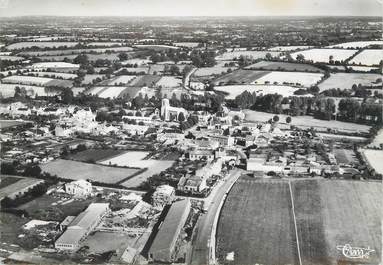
191 132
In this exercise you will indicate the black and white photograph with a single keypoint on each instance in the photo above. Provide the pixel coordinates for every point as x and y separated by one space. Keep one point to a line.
191 132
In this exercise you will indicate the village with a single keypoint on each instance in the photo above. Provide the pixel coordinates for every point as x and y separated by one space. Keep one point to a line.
149 148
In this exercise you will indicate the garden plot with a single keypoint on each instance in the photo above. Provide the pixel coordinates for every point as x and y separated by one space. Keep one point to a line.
278 66
295 78
240 77
346 80
368 57
235 90
323 55
169 81
356 44
229 56
74 170
111 92
288 48
136 159
40 44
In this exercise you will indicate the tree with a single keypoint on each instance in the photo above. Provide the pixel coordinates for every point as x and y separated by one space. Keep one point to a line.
276 118
123 56
8 169
67 95
268 56
32 171
81 59
181 117
288 119
300 57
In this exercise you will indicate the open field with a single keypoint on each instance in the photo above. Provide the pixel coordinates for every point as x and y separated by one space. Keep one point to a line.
53 75
8 90
345 156
121 79
11 58
356 44
145 80
285 66
38 81
10 123
295 78
363 68
75 51
307 122
229 56
368 57
375 158
135 159
95 154
169 81
54 65
235 90
240 77
40 44
111 92
346 80
256 223
74 170
186 44
378 140
21 184
215 70
156 47
323 55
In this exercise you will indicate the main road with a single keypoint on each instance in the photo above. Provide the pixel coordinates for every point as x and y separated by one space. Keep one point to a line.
203 242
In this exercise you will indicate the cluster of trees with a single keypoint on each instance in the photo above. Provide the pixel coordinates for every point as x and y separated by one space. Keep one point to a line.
190 122
168 55
203 58
32 193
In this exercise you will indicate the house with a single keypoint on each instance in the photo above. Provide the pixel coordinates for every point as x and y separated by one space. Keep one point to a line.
81 226
223 140
226 155
198 154
192 184
196 85
79 188
163 195
135 129
163 247
213 168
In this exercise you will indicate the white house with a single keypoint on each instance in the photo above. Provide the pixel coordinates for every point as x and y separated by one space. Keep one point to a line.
79 188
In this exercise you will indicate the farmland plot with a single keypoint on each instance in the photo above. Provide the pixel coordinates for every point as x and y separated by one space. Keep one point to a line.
169 81
295 78
88 79
368 57
235 90
27 80
8 90
323 55
186 44
74 170
40 44
104 44
288 48
11 58
75 51
256 223
356 44
278 66
145 80
111 92
53 75
375 158
229 56
95 155
124 79
156 47
363 68
54 65
240 77
346 80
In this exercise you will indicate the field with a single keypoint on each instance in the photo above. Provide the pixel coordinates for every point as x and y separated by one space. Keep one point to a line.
378 140
78 170
104 44
307 122
115 81
229 56
368 57
10 58
240 77
375 158
40 44
7 180
15 187
323 55
88 79
145 80
363 68
345 156
186 44
54 65
235 90
8 90
95 155
53 75
279 66
75 51
27 80
357 44
346 80
9 123
156 47
294 78
135 159
256 221
288 48
169 81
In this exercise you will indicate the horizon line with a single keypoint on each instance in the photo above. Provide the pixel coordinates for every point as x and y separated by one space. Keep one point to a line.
196 16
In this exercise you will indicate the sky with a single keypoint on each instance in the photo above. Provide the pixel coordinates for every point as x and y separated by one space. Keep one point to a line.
191 7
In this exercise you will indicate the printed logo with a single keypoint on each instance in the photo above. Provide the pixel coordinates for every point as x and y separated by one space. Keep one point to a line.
355 252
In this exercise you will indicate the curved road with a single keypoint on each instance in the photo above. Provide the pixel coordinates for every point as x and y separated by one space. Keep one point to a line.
201 247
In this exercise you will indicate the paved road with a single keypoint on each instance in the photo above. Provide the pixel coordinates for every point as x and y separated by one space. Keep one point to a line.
201 240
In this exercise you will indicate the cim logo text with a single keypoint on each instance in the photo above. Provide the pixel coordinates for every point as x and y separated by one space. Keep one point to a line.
355 252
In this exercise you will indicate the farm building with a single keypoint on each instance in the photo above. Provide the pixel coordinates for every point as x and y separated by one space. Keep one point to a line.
164 244
81 226
79 188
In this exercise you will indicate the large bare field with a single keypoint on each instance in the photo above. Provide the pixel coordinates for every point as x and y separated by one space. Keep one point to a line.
285 66
95 154
74 170
235 90
307 122
240 77
228 56
75 51
323 55
356 44
294 78
40 44
256 223
8 90
375 158
346 80
368 57
288 48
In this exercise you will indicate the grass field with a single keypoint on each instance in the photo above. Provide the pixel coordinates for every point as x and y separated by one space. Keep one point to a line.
11 58
53 75
74 170
145 80
257 221
307 122
368 57
323 55
75 51
40 44
95 154
279 66
288 48
236 90
296 78
240 77
346 80
8 90
228 56
9 123
375 158
357 44
256 224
